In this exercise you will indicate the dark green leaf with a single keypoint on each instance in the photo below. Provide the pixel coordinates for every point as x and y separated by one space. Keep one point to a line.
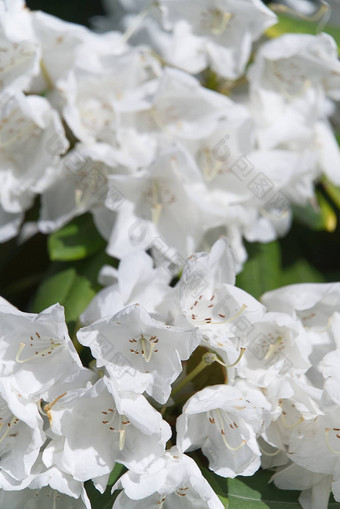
98 500
54 289
309 215
116 473
72 286
301 272
261 272
76 240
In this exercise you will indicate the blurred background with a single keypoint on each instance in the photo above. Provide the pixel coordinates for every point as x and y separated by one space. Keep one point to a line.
310 252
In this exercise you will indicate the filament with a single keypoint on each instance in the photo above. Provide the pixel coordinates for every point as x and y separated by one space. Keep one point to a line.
226 443
156 206
42 353
220 21
243 349
273 348
48 407
291 426
9 425
275 453
327 430
325 329
208 321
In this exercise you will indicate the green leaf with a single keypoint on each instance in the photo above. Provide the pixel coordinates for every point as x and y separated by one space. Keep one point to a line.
288 24
116 473
255 492
320 215
54 289
328 214
261 272
98 500
301 271
309 215
219 484
332 191
72 286
75 241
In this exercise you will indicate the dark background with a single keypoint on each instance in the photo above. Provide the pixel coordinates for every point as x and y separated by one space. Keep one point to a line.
76 11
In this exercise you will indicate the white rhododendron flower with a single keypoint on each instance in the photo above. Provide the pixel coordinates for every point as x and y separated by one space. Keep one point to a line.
21 432
224 424
36 350
276 345
20 53
45 488
140 353
172 481
26 167
135 281
169 196
94 427
225 29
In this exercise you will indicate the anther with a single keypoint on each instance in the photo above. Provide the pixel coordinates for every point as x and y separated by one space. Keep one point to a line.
327 431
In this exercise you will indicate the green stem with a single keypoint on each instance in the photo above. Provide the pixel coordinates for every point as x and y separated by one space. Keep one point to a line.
207 359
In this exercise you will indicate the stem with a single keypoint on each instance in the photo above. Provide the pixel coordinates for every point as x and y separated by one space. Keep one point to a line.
207 359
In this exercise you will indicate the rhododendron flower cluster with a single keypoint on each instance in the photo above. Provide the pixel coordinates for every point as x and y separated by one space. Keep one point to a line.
63 424
183 131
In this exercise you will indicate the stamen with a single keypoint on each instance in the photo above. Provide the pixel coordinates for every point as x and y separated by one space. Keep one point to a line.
145 343
243 349
273 348
275 453
122 432
9 426
210 322
42 353
221 425
325 329
290 426
210 166
17 136
147 347
327 430
161 502
48 407
156 207
219 21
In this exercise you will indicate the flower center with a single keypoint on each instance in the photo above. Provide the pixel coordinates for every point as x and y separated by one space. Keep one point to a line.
223 421
336 432
38 347
158 197
215 20
14 128
7 422
117 423
215 311
144 346
210 165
